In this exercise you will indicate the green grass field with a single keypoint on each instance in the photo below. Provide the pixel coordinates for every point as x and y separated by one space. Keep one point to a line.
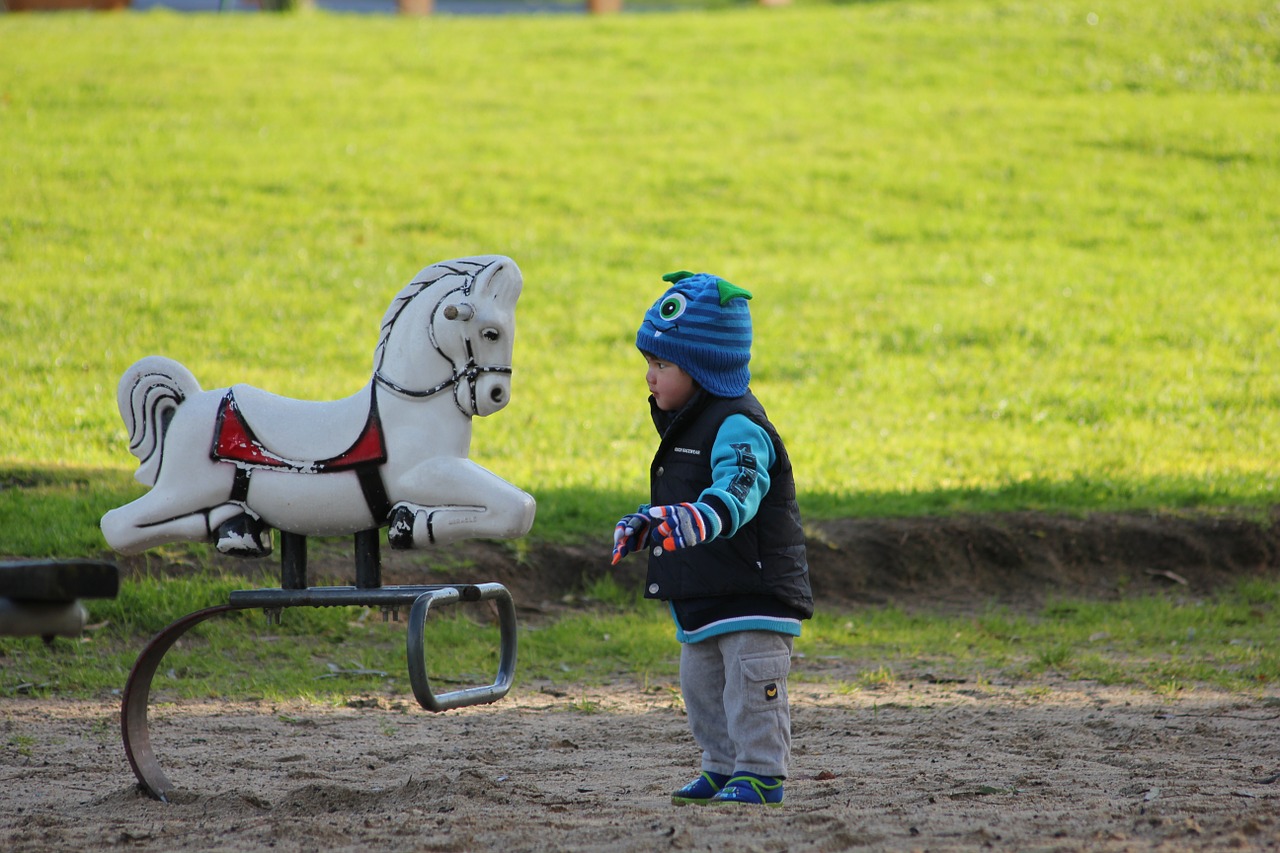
1005 254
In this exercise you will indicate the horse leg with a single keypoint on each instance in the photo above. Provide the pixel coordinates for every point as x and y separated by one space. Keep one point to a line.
245 534
150 521
446 499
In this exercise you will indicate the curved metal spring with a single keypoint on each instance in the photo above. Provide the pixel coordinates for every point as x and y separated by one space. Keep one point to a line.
137 691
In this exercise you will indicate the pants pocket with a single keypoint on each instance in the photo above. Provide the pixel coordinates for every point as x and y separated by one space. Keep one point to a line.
764 681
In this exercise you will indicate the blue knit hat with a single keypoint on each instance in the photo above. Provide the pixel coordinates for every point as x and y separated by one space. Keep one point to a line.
702 324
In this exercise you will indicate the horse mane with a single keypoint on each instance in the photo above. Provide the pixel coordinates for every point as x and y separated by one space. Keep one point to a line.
501 291
422 282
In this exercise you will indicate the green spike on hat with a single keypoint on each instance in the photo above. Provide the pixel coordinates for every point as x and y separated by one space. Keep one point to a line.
731 291
728 290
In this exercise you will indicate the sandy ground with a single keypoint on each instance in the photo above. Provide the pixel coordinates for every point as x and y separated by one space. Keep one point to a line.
1033 766
1036 765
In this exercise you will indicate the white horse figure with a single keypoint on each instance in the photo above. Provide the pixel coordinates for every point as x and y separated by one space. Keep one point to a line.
229 464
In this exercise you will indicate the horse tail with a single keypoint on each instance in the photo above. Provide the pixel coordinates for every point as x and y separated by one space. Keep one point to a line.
150 391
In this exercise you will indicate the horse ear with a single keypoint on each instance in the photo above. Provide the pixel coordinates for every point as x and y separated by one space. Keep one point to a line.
502 285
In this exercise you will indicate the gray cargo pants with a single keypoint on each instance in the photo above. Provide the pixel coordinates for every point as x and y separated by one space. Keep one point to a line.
735 690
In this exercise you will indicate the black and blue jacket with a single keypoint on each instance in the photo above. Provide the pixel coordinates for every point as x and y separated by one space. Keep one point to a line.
752 572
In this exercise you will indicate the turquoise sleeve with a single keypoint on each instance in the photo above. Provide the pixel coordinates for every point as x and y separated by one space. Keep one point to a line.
741 458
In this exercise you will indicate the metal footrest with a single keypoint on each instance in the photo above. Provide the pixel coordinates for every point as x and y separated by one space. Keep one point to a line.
416 648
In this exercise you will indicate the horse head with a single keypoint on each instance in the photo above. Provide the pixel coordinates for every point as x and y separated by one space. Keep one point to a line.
452 329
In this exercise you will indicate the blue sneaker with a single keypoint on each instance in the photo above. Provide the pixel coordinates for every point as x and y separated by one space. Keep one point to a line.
752 789
700 791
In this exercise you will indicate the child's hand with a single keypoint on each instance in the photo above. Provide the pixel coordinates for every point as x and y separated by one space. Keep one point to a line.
679 526
630 535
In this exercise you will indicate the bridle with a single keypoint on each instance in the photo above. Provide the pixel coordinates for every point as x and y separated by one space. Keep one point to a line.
469 371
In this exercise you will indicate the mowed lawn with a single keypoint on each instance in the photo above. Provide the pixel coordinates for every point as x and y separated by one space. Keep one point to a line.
1005 255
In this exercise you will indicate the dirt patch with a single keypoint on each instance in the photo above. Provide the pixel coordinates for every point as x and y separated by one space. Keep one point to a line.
939 766
1024 559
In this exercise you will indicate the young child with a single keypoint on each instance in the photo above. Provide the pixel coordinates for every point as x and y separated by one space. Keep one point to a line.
723 531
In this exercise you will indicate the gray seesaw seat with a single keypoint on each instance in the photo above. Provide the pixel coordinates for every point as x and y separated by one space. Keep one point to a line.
41 598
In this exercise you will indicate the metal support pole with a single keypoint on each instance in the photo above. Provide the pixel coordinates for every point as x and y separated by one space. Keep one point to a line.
293 561
368 560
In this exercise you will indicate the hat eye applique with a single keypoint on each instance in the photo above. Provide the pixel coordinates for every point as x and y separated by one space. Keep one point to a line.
672 306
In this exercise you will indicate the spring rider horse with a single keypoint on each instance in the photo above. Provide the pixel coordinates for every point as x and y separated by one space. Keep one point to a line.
228 465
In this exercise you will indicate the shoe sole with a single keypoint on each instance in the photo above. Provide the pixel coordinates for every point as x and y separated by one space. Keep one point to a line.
690 801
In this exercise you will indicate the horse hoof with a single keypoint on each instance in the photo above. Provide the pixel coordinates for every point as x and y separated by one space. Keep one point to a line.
244 536
400 528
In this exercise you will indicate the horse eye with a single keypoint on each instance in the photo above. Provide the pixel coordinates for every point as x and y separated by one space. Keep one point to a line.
491 335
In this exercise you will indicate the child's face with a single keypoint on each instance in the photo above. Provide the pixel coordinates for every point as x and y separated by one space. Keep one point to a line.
670 386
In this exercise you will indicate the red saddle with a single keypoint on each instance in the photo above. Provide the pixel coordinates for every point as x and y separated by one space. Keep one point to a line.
234 441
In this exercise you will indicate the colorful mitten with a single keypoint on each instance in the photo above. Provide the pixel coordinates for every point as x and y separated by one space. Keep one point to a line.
629 535
679 526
